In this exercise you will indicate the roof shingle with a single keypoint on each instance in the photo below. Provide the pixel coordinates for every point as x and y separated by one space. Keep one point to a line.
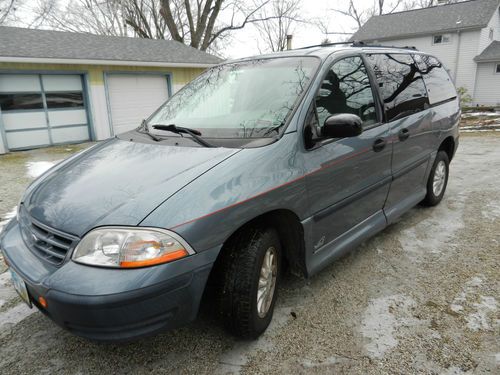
463 15
490 53
49 44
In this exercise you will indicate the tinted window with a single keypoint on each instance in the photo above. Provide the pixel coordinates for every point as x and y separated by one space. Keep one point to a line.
346 89
498 68
64 99
436 78
10 102
401 85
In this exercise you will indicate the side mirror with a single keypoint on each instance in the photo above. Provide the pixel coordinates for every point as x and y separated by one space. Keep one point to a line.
342 125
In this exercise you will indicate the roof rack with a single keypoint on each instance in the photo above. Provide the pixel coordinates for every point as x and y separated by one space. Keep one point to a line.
358 44
363 44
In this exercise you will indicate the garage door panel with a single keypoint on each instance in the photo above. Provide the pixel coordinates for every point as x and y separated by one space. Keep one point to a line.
70 134
19 83
35 114
26 139
62 83
24 120
133 98
67 117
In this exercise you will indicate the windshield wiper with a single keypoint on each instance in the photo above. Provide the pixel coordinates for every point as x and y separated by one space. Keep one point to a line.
195 134
275 128
143 129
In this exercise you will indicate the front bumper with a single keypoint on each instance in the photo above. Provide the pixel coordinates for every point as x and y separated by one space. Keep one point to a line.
111 304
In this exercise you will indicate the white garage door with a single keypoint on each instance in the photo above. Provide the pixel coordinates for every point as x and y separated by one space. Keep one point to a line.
133 97
41 110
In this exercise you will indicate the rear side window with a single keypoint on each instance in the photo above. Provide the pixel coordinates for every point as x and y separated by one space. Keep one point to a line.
400 83
437 80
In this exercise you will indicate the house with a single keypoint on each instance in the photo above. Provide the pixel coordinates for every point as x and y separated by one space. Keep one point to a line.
59 87
465 36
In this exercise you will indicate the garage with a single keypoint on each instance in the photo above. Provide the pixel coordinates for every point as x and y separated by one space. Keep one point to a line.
62 87
42 109
134 97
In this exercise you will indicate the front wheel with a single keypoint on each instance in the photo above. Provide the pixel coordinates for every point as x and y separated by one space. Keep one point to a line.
252 268
438 180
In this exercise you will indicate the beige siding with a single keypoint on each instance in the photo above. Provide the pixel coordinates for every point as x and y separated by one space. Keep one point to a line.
488 85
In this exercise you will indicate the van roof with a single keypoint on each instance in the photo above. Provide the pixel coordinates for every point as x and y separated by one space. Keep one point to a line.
325 50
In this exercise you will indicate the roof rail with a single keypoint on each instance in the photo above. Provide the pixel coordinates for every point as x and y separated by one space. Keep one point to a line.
358 44
326 45
363 44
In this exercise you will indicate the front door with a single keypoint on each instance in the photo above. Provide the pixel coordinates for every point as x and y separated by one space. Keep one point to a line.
348 178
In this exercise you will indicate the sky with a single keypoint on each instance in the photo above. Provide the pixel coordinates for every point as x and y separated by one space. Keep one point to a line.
244 42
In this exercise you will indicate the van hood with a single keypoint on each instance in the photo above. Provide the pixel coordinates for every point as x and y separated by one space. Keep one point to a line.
116 183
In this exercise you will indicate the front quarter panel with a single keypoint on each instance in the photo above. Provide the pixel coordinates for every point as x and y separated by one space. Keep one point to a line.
252 182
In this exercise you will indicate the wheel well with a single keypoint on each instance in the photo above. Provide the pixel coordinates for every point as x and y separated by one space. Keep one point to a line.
448 146
291 234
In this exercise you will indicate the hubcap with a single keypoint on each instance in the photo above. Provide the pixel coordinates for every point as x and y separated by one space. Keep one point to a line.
439 178
267 281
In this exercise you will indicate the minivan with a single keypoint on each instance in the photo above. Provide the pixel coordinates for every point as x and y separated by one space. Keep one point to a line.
282 162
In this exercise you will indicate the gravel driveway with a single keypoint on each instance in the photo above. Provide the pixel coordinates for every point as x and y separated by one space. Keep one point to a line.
420 297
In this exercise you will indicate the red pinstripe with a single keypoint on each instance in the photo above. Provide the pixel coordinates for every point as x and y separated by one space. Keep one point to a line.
329 165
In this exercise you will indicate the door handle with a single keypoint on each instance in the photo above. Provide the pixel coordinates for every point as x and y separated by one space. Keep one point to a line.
403 134
379 144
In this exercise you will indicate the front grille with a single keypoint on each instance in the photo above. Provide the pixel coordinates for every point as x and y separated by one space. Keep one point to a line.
49 244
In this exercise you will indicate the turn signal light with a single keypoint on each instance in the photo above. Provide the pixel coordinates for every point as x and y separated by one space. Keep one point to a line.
43 302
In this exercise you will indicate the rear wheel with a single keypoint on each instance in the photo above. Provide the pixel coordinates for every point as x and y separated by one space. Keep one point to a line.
438 180
252 265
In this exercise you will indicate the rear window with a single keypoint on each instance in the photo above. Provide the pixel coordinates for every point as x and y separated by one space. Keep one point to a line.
437 80
400 83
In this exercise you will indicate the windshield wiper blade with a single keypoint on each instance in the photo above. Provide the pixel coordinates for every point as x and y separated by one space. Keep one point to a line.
275 128
195 134
143 129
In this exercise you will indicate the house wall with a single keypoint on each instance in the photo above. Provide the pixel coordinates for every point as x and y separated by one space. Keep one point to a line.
488 84
484 39
95 75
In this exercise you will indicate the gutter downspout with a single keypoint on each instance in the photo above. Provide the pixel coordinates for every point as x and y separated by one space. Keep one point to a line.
455 73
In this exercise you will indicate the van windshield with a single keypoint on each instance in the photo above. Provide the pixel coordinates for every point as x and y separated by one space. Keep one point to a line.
250 99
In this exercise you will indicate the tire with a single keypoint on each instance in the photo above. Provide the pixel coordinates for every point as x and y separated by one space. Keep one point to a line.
437 176
243 262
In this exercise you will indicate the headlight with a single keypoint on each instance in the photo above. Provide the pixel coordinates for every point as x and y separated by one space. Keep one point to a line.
124 247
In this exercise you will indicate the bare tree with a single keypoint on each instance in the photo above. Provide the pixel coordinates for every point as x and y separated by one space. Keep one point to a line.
202 24
281 17
84 16
7 9
361 15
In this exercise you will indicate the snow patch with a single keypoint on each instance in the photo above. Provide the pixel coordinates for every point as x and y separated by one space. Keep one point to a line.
382 318
477 314
36 168
431 235
6 218
233 361
479 319
492 211
476 114
15 315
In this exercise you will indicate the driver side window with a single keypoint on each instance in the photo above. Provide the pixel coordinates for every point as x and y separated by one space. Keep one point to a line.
346 89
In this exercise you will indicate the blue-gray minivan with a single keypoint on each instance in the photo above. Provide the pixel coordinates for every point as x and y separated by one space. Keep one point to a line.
276 163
